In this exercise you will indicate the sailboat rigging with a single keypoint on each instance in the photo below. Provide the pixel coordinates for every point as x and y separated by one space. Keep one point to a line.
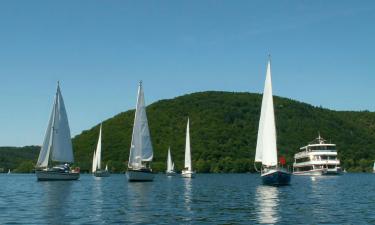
141 151
96 162
266 149
57 146
170 165
187 172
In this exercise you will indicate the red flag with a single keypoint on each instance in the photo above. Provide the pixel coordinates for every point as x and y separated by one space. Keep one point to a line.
282 160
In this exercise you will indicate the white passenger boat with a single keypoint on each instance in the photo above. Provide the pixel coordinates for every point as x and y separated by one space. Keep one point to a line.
317 158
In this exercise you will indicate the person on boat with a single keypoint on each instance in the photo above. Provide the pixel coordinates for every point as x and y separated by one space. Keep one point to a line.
66 167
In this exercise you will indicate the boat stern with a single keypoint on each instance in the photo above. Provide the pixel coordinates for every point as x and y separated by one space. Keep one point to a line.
276 178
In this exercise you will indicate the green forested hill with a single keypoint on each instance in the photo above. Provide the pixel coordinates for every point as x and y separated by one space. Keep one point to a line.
18 159
224 131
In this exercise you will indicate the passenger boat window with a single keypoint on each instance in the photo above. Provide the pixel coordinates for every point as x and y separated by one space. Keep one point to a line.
323 148
305 168
301 160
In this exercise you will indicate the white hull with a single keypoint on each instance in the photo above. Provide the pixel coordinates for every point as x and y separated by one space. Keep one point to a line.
322 172
187 174
102 173
139 175
171 173
309 173
55 176
318 158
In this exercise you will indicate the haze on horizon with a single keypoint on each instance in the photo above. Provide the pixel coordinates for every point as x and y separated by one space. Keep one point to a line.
322 54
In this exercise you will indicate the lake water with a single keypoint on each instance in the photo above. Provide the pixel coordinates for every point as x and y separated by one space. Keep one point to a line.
207 199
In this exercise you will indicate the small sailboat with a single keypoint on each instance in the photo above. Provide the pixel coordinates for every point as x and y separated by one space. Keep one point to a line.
373 168
170 165
141 152
266 150
57 151
9 171
187 172
96 162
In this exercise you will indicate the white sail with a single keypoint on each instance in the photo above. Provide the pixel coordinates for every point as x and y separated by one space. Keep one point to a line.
46 148
141 146
106 167
187 148
93 169
98 153
373 167
266 151
57 144
62 150
170 164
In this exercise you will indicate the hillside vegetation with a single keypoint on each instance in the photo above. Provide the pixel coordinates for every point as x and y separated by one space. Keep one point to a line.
224 130
18 159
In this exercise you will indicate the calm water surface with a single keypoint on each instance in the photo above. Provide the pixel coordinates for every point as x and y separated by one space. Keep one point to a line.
207 199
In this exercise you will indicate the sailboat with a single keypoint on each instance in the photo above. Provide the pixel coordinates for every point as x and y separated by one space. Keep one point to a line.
266 150
9 171
56 152
96 162
187 172
170 165
373 169
141 152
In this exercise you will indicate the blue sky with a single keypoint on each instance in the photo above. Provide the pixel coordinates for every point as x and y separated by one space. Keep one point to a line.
322 54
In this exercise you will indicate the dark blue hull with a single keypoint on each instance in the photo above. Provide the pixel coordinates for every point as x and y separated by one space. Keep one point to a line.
276 178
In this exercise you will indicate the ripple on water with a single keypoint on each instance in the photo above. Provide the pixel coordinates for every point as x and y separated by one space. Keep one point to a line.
207 199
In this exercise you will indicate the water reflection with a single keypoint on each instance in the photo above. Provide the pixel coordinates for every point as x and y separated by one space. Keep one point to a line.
138 200
97 197
267 199
325 190
187 194
56 197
